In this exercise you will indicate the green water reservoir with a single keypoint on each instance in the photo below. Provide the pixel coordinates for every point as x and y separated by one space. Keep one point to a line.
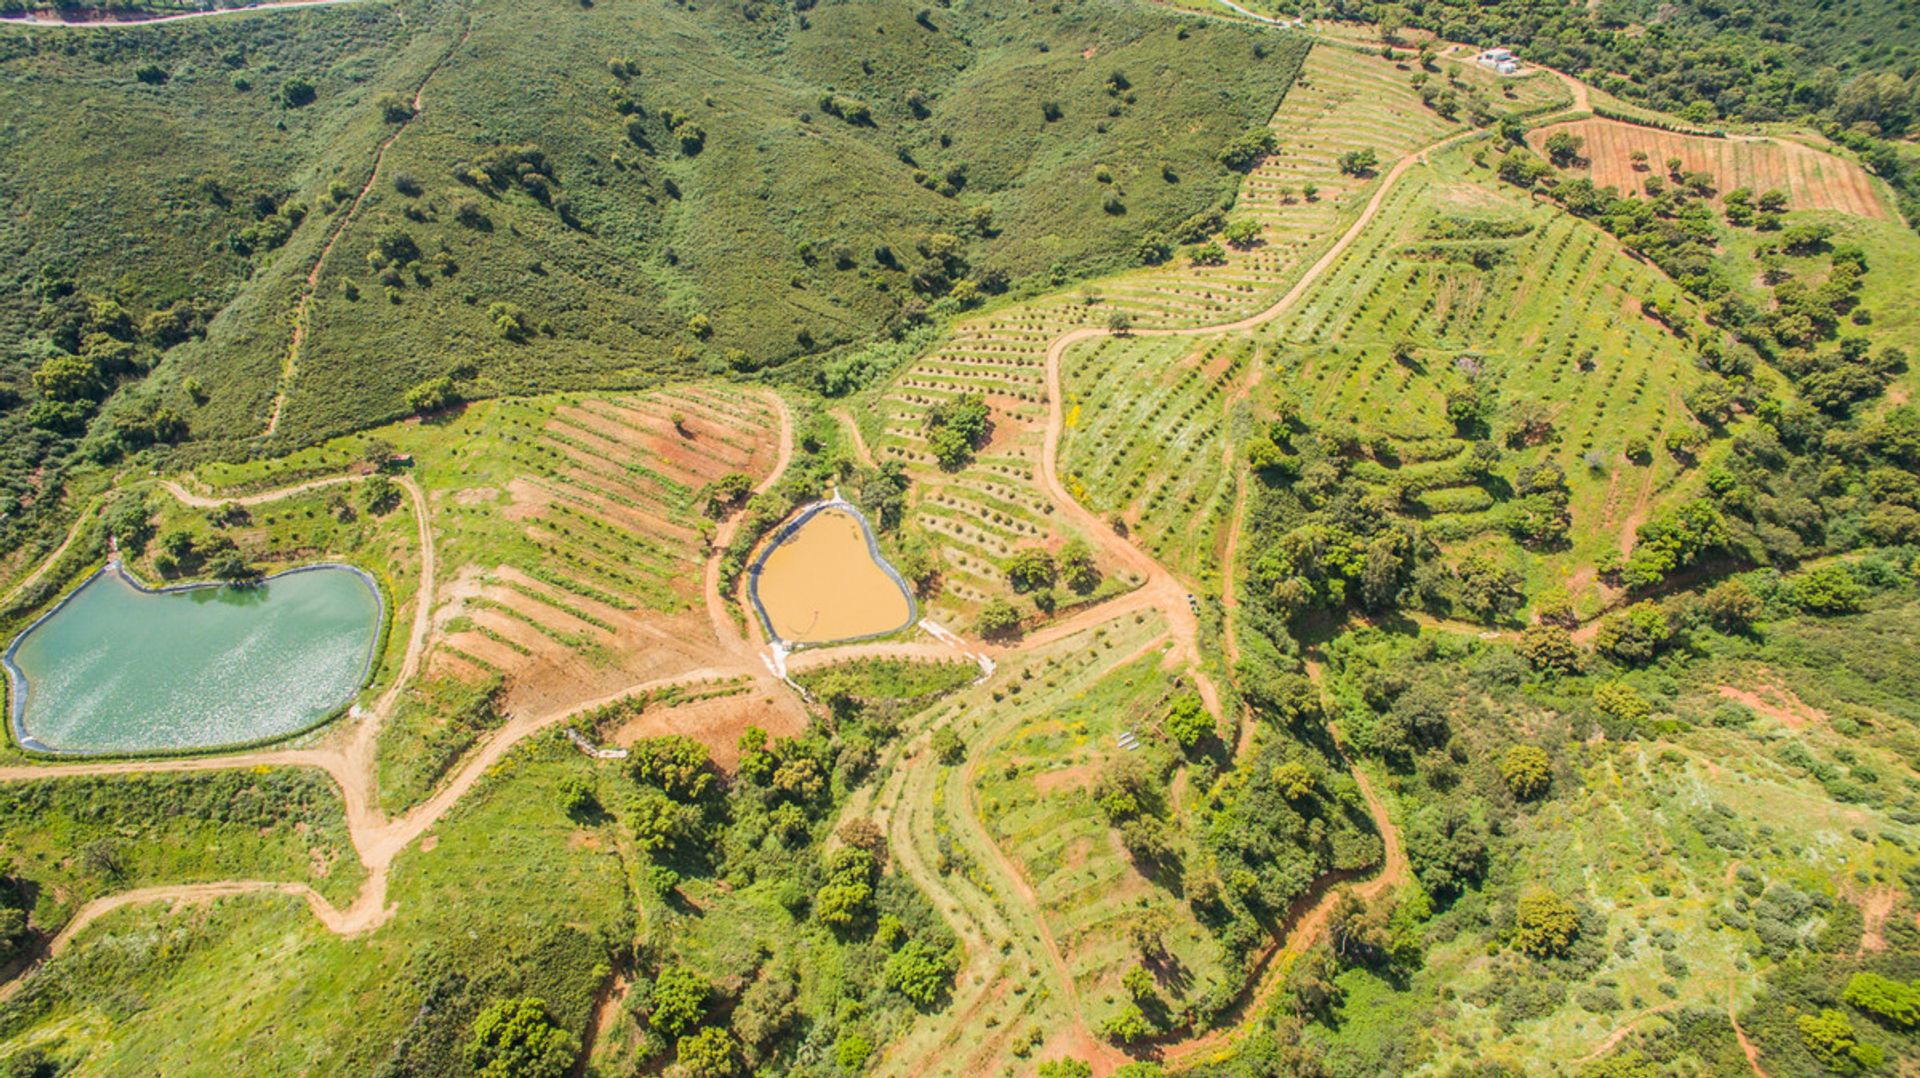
118 669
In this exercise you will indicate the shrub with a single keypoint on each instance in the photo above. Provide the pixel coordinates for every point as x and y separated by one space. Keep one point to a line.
1243 233
1545 925
1207 254
920 971
518 1039
1361 162
846 898
1620 701
1247 150
956 427
1190 723
509 320
679 1001
1828 589
297 92
1294 779
1893 1003
1527 771
1077 568
432 395
947 746
998 618
379 495
395 108
1635 635
577 799
1730 606
1127 1025
1488 589
1031 569
1829 1038
851 1052
1550 649
707 1054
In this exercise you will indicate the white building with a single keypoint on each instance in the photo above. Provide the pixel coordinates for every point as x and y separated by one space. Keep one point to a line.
1499 59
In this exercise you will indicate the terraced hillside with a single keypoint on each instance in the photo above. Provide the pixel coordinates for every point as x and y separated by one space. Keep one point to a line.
573 539
1342 102
975 515
1148 440
978 515
1554 328
608 497
1015 997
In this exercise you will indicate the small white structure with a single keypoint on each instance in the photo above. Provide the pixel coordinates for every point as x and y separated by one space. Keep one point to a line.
1499 59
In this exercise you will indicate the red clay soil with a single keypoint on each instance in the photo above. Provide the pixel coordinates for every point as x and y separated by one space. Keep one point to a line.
1811 179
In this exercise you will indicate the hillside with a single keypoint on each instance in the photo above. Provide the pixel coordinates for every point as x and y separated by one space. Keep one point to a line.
614 196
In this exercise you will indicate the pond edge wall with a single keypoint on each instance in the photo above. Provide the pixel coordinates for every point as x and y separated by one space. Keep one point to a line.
17 678
785 531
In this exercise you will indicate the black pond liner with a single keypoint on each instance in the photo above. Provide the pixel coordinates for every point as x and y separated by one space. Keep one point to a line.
785 532
17 678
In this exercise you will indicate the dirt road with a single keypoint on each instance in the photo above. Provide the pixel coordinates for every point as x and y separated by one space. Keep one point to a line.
1307 926
47 563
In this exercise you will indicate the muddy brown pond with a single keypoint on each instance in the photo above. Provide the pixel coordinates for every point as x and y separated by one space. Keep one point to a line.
824 581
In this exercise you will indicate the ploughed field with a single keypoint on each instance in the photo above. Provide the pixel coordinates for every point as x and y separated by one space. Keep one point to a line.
1811 179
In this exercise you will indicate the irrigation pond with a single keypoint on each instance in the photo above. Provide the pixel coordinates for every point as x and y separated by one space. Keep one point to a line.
823 581
117 668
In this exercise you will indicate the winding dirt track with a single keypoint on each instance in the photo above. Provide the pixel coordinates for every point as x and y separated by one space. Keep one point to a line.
202 501
1160 588
853 433
50 560
1162 591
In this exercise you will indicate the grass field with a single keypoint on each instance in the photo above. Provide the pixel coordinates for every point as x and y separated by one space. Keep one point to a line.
73 840
256 984
784 230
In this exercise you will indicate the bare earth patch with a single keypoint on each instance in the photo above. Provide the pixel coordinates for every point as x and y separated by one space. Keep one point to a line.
1064 779
1776 702
1875 904
1811 179
716 723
